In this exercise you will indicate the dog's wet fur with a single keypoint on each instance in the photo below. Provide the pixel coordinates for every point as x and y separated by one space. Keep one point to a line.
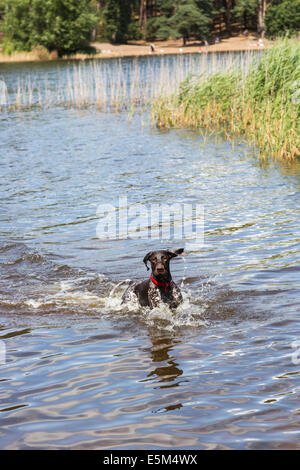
160 288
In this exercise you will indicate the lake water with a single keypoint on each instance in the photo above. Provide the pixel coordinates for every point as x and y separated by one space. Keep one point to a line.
81 371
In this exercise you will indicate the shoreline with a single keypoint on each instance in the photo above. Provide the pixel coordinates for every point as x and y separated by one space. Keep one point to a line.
142 49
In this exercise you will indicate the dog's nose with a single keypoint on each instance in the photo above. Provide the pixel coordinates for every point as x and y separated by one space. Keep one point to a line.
160 269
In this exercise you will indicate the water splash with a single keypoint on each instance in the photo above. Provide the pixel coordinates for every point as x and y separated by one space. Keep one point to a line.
65 295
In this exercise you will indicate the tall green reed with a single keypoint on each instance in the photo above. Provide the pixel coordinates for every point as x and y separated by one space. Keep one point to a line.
113 84
260 102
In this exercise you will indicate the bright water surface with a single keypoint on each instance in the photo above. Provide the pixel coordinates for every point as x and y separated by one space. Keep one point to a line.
81 371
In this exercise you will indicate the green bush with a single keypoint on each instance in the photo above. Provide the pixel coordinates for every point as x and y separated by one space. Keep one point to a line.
61 25
134 32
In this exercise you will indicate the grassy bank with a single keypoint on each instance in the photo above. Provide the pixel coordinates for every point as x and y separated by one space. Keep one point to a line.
40 54
260 102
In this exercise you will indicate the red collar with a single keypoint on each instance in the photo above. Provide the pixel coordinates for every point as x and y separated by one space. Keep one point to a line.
165 285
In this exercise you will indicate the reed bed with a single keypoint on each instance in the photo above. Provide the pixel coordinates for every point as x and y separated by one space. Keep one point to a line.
254 95
114 84
260 102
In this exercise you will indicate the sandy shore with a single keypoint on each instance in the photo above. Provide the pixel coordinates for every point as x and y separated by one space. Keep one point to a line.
239 43
141 48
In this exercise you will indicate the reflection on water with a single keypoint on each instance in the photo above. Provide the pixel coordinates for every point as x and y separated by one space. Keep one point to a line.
83 371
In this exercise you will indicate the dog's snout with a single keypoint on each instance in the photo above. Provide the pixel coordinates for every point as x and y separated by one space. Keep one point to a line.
160 268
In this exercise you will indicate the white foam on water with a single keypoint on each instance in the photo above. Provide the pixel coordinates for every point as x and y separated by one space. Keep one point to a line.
33 303
64 293
184 272
67 294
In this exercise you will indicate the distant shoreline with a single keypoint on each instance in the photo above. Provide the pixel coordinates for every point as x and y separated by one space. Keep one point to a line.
141 48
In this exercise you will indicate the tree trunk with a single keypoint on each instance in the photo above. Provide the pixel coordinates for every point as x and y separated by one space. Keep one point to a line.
143 13
152 9
228 8
261 17
99 5
245 20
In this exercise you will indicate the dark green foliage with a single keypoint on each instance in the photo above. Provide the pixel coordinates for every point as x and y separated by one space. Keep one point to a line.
61 25
66 25
245 11
166 7
16 25
2 9
189 20
283 18
182 18
159 28
117 15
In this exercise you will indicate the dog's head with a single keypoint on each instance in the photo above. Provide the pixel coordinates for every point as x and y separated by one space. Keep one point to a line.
160 261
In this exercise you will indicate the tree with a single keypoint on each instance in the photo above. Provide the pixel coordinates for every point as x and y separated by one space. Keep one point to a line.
16 25
62 25
143 13
159 27
182 18
190 20
167 7
117 15
283 18
262 6
228 11
245 11
2 9
274 17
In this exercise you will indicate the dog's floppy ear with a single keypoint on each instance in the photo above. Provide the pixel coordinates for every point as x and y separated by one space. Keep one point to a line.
177 252
146 259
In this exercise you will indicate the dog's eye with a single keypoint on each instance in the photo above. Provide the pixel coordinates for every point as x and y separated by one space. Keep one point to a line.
154 259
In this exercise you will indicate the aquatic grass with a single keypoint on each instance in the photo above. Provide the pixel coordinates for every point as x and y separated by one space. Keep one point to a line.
113 85
260 103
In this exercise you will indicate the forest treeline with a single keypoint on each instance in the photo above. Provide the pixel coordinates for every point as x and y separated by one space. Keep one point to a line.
69 25
199 19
